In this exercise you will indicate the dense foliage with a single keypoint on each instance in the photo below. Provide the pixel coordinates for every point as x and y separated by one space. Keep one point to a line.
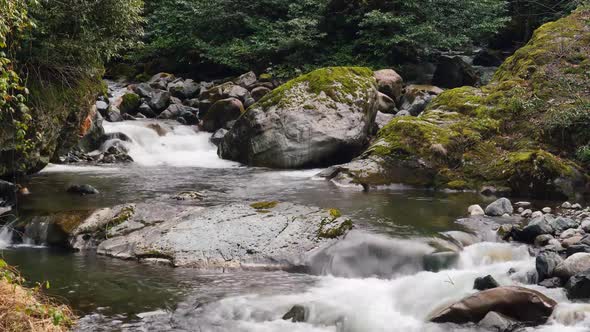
240 35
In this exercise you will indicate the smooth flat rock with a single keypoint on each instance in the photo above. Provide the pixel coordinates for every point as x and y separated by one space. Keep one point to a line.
270 236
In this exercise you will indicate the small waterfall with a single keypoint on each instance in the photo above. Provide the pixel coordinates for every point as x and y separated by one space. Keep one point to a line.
155 143
7 235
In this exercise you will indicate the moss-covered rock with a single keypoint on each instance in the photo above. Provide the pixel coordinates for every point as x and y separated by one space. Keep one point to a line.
130 103
319 118
51 125
521 131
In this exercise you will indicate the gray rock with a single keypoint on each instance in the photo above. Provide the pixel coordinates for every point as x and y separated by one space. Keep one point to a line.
475 210
217 137
523 204
184 89
561 224
453 72
499 207
259 92
585 225
496 322
268 235
146 110
159 100
144 90
554 282
577 206
238 92
545 263
576 263
577 248
578 286
403 113
84 189
483 283
386 104
246 80
113 114
536 214
566 205
102 107
536 227
546 210
296 314
304 128
543 239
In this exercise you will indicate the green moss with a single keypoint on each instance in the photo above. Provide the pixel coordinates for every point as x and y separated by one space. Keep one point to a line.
143 77
130 103
458 185
265 77
335 213
264 205
125 214
335 232
341 84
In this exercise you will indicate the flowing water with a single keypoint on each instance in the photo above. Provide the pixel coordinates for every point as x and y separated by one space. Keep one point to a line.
374 280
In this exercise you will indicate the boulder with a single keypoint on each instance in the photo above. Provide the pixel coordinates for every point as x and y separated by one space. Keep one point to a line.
574 264
545 263
263 235
218 136
130 104
113 114
475 210
518 303
499 208
259 92
483 283
321 118
496 322
184 89
221 113
578 286
91 132
561 224
537 226
453 72
146 111
84 189
246 80
296 314
159 100
389 83
386 104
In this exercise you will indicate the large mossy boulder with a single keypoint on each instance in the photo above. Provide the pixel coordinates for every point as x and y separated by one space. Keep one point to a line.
324 117
523 131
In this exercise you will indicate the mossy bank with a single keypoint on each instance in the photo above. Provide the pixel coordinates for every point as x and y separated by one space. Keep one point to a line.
525 132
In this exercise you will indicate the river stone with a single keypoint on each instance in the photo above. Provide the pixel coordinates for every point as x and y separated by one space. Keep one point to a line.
246 80
496 322
578 286
221 113
475 210
386 104
83 189
318 119
159 100
561 224
259 92
483 283
184 89
536 227
268 235
545 263
519 303
296 314
218 136
573 265
499 208
389 83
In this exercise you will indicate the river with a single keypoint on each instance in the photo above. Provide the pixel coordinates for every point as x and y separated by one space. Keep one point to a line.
375 279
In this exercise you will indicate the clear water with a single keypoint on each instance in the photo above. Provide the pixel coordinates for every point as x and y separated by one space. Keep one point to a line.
350 293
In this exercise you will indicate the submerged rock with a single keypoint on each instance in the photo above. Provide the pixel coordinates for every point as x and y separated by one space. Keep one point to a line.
518 303
267 236
84 189
496 322
322 118
296 314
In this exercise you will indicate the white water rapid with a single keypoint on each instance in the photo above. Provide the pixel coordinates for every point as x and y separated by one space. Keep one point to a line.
155 143
399 304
